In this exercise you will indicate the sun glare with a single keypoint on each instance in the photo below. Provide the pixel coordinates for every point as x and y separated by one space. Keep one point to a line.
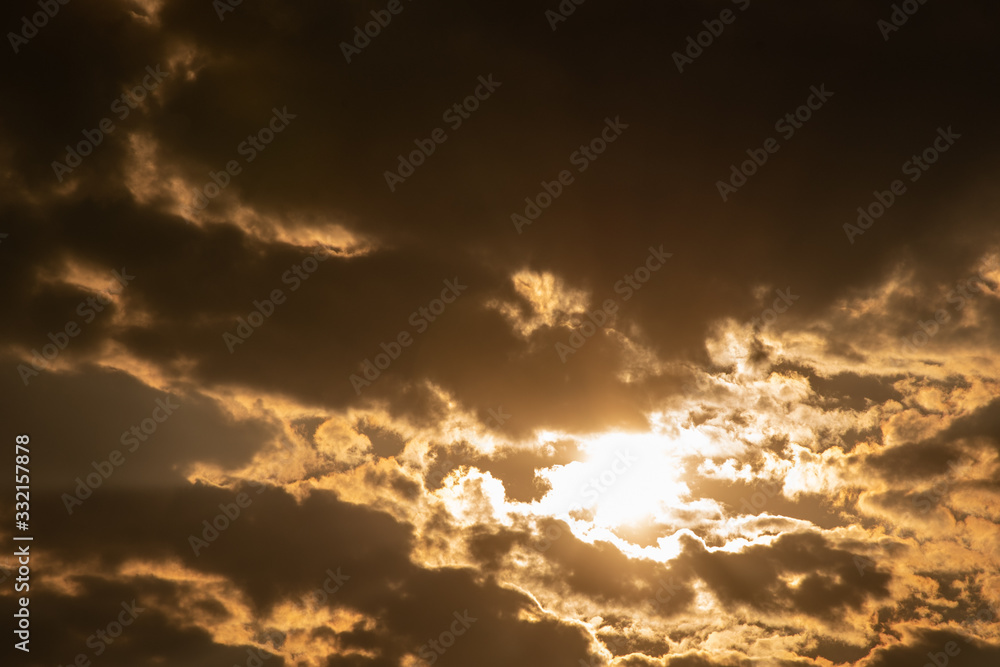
624 479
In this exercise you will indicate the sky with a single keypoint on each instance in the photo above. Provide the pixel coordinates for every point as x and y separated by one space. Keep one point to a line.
552 334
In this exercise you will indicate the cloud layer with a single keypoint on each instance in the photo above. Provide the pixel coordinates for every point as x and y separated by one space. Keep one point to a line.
538 396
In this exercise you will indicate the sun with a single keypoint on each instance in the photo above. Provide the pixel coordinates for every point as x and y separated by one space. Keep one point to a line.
623 479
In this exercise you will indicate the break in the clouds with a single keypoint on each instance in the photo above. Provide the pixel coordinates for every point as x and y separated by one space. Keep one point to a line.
403 334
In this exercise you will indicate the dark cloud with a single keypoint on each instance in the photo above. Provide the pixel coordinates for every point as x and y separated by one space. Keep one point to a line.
90 624
269 559
939 646
156 434
516 468
830 579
